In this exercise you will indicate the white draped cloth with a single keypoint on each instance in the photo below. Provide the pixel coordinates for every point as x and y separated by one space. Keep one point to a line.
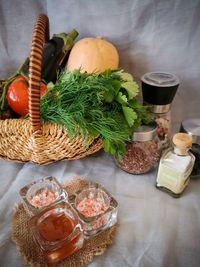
154 229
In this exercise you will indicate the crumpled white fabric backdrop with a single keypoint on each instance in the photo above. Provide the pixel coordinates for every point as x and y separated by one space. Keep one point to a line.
154 229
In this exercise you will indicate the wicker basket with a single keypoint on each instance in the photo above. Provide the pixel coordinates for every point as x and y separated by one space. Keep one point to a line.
30 140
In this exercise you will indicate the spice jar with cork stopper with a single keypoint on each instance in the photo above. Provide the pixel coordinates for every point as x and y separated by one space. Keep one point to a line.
159 89
176 165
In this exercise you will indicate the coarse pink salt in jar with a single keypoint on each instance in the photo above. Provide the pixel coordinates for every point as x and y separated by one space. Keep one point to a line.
43 197
96 208
93 206
42 193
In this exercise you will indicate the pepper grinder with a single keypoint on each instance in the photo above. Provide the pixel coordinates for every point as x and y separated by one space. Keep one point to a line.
159 89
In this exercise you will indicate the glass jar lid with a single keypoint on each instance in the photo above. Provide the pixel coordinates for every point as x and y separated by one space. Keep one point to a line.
192 127
160 79
145 133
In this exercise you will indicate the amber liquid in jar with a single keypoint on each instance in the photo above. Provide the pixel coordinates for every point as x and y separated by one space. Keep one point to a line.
57 227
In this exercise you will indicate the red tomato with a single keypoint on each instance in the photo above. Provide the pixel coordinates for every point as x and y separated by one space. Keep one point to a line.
17 95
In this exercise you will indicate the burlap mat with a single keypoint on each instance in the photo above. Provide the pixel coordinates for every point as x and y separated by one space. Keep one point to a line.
31 254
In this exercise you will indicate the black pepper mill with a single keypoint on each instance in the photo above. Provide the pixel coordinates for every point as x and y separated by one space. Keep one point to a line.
159 89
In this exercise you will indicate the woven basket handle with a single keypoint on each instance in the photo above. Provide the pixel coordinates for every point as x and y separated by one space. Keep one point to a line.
40 36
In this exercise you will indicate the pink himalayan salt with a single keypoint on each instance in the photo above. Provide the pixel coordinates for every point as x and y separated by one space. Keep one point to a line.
90 207
43 198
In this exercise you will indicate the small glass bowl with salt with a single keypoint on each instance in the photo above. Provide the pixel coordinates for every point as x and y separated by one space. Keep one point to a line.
96 208
40 194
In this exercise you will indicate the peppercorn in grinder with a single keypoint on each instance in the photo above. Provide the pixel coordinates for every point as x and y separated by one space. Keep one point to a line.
159 89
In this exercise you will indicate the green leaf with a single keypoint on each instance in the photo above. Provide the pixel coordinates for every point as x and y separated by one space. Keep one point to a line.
132 88
126 76
134 103
130 115
106 145
112 147
116 84
121 148
122 99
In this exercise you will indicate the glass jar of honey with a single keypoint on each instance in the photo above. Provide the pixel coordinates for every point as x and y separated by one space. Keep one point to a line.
58 232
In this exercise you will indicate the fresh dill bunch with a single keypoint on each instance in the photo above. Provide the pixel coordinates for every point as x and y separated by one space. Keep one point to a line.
95 105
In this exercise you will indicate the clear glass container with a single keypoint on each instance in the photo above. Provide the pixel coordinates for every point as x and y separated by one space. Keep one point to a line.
58 232
40 194
143 152
176 165
96 208
162 116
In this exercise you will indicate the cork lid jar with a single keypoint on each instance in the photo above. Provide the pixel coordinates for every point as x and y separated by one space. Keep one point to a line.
182 143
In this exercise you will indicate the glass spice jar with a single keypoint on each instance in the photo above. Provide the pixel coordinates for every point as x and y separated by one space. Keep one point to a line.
159 89
58 232
162 116
176 166
96 208
192 127
143 152
40 194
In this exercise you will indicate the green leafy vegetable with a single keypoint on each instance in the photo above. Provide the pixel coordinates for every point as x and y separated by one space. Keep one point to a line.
122 99
95 104
130 115
132 88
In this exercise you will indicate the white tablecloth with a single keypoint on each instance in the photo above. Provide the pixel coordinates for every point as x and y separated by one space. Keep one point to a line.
154 229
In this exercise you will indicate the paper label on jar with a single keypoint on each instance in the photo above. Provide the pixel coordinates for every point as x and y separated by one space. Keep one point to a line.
170 178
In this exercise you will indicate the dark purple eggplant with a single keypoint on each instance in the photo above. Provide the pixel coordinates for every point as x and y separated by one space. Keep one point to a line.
55 54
